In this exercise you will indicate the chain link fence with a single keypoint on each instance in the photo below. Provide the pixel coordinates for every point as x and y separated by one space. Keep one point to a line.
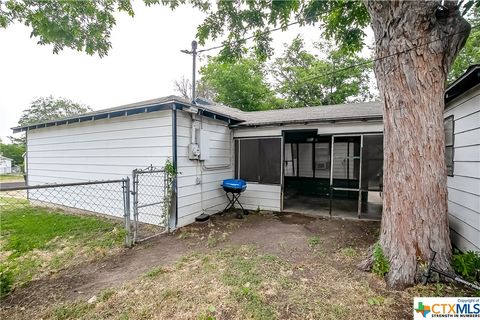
151 202
108 199
151 194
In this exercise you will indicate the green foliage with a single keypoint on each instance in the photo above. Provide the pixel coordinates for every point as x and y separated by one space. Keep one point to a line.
6 281
466 264
13 151
298 81
50 108
376 301
313 241
470 54
381 265
342 20
153 273
86 25
171 172
79 25
240 84
71 311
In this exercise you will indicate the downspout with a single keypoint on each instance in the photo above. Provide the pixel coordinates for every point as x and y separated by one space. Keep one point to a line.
174 162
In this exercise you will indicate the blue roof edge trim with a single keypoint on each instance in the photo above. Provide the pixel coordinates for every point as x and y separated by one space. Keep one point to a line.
169 105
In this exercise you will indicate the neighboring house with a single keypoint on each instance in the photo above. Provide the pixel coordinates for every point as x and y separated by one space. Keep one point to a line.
315 160
5 165
462 141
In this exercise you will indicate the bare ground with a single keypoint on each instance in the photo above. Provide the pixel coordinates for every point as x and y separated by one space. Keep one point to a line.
317 255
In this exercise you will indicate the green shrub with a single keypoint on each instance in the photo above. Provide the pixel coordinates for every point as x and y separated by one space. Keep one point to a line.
381 265
466 264
313 241
6 281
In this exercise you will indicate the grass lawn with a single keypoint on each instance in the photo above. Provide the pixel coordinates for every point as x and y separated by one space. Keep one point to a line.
262 267
35 242
11 177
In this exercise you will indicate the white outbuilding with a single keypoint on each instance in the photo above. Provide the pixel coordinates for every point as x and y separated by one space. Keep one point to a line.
5 165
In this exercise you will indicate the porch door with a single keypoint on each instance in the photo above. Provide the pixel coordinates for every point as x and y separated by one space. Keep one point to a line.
345 169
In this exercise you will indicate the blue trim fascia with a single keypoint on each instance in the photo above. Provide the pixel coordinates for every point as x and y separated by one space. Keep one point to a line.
105 115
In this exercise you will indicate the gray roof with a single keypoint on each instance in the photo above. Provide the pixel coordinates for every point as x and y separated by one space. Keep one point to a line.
350 111
367 110
130 109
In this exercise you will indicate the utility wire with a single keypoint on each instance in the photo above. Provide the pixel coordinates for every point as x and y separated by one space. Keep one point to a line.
252 36
383 57
378 59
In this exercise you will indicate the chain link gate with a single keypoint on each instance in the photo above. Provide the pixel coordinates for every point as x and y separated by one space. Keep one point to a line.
151 203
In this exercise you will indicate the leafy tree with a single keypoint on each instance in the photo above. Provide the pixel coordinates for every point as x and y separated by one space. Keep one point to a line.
416 43
470 54
298 82
240 84
13 151
46 109
50 108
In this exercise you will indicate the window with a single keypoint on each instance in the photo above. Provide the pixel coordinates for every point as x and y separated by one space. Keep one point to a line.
259 160
449 137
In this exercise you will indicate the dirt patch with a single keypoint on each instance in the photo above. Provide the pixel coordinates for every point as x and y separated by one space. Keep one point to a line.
264 266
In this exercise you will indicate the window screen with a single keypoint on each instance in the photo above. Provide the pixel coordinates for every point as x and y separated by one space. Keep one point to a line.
372 163
260 160
449 136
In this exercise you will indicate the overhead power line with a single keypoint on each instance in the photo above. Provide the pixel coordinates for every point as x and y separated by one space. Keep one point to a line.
356 65
251 37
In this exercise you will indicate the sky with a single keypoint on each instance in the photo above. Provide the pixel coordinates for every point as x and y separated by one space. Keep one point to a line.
143 63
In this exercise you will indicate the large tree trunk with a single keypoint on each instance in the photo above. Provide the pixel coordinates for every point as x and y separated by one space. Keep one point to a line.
412 85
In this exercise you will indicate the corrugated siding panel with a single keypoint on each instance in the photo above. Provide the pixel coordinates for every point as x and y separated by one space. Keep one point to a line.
464 186
208 197
97 150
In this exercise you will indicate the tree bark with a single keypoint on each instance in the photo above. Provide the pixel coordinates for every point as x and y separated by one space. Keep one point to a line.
412 85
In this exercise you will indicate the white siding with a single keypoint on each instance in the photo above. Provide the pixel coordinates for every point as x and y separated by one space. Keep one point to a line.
97 150
207 196
263 196
5 166
323 128
464 186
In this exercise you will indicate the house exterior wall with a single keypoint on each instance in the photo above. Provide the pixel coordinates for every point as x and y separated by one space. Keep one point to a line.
269 197
199 182
97 150
464 185
5 166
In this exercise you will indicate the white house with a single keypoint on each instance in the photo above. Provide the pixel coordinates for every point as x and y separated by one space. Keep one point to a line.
109 144
316 160
462 133
5 165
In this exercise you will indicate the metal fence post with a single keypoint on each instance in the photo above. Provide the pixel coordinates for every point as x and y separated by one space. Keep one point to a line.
126 210
135 205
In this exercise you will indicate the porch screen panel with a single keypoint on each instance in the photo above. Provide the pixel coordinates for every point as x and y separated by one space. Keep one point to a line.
346 162
270 160
372 163
249 153
260 160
